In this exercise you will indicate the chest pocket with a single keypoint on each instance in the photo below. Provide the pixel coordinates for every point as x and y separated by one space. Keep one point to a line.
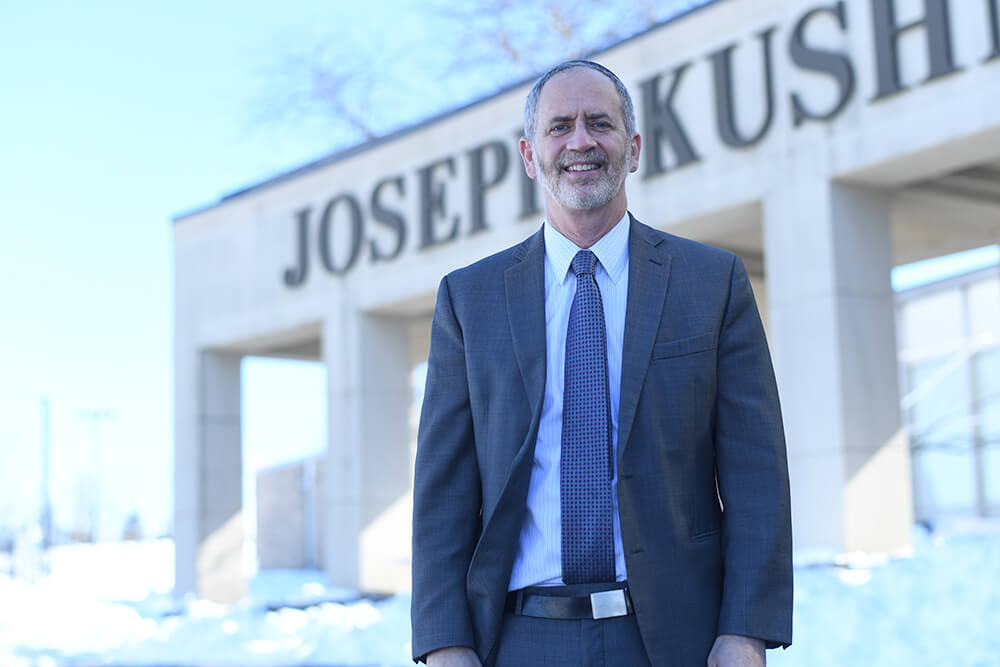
684 346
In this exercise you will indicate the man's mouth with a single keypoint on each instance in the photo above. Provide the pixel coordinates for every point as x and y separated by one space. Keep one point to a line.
586 166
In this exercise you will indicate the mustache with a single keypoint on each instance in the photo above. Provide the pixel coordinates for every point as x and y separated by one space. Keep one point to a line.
596 155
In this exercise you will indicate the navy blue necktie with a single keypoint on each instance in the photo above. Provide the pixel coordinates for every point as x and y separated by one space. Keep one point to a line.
585 468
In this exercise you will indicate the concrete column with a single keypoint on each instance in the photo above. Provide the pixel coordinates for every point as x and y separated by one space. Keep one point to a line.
828 258
208 490
368 473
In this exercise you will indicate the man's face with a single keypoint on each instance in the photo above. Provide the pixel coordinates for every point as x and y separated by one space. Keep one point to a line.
580 151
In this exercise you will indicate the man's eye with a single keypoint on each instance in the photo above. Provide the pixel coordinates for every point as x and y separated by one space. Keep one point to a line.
602 125
562 127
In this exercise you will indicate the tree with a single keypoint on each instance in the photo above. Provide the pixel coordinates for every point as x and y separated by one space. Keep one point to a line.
523 37
365 88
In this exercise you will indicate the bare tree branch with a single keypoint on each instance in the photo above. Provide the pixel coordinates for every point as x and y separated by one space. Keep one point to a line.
468 49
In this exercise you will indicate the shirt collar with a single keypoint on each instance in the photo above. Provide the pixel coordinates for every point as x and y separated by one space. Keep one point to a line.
611 250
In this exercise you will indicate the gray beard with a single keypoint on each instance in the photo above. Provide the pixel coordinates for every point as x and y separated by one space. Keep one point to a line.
584 196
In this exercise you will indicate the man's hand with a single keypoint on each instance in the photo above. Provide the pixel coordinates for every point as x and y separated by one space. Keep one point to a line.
454 656
737 651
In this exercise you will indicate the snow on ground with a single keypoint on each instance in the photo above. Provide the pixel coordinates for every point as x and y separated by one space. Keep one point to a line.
110 604
940 607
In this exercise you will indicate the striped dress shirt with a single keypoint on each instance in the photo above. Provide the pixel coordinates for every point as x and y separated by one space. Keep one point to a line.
539 556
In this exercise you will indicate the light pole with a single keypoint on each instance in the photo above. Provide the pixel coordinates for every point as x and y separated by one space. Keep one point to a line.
96 417
45 519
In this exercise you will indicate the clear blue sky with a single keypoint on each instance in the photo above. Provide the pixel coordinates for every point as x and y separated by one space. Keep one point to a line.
114 117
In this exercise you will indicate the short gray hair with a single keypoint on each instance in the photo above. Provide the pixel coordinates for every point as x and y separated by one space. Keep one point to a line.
531 104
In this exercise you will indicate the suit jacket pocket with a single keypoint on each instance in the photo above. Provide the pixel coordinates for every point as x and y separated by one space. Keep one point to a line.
705 535
683 346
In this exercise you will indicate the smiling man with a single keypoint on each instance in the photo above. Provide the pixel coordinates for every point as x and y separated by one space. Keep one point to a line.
601 475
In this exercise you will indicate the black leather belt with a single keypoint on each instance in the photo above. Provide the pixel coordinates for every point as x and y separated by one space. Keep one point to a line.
602 604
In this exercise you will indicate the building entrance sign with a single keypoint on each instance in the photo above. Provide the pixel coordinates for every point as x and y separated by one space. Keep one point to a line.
334 233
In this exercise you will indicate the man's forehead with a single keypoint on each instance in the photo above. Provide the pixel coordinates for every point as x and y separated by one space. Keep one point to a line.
580 86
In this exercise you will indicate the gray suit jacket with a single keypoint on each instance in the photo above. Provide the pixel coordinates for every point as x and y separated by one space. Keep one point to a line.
703 480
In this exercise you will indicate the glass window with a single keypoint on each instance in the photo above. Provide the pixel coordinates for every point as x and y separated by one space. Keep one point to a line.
986 368
984 308
932 322
941 439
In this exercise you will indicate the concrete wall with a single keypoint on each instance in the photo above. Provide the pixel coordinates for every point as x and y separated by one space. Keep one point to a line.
288 516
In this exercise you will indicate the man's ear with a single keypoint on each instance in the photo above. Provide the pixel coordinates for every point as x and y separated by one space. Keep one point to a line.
636 145
528 156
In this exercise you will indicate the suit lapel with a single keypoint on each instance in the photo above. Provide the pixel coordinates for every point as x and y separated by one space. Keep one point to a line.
493 558
648 273
525 286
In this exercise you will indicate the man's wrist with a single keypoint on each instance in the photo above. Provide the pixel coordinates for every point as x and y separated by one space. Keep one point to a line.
745 638
737 651
453 656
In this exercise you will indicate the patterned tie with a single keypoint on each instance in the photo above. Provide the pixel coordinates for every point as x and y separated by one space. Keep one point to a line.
585 469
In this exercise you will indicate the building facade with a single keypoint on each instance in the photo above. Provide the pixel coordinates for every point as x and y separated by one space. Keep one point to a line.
825 141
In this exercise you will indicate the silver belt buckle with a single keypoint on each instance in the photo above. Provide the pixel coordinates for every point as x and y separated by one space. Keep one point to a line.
608 604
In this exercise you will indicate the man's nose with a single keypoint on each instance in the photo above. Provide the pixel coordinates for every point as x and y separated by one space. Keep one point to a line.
581 138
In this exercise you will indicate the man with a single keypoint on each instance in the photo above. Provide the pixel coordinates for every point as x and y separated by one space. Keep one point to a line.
601 474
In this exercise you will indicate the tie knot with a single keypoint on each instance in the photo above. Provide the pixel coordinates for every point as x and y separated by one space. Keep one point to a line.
584 262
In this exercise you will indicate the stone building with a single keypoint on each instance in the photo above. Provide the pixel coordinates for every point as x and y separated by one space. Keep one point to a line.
825 141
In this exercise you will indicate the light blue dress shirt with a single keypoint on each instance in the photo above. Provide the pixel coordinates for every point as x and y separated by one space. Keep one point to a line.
539 556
